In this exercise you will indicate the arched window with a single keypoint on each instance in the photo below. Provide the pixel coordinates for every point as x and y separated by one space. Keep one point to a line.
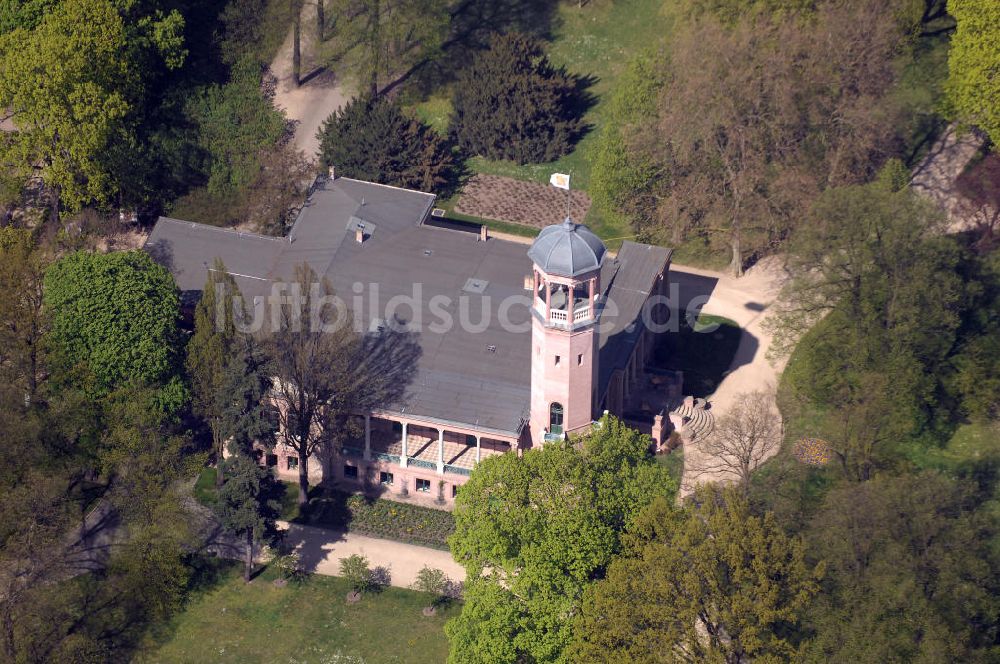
556 418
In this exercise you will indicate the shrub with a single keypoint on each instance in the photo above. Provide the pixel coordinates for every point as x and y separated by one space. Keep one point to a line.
511 103
430 580
355 570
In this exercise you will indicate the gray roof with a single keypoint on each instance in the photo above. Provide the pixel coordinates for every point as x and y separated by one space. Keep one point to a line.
567 249
628 281
477 374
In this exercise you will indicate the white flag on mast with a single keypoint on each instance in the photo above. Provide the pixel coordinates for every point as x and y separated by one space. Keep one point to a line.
560 181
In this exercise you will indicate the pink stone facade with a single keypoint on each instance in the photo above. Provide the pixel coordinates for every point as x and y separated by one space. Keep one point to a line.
422 461
564 354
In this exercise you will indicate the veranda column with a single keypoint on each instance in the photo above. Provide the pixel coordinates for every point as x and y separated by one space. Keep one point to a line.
368 437
440 451
478 451
402 452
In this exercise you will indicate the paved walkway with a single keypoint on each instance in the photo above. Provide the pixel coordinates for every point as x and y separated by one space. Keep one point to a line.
312 102
321 551
936 175
748 301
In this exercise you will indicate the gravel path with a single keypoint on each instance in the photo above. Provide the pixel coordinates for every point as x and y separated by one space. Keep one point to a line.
321 550
312 102
935 176
747 301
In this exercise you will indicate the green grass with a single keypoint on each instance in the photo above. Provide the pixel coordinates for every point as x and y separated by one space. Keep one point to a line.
597 40
204 487
674 463
972 444
231 621
702 353
503 226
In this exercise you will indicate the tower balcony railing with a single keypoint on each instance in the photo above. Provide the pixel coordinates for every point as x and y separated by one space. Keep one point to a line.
561 316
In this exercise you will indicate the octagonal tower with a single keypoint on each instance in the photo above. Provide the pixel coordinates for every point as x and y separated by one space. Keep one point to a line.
567 261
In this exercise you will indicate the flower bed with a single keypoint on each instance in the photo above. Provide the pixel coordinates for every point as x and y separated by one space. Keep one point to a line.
812 451
380 518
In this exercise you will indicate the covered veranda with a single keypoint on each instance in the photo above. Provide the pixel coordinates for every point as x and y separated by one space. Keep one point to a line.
408 443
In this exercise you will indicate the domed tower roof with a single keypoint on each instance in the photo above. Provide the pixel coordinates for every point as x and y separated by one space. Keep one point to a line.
567 249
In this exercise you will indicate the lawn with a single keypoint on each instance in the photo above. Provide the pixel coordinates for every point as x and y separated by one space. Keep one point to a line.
972 445
597 40
230 621
704 352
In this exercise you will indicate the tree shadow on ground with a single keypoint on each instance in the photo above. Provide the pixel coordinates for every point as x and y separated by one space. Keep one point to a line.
473 22
705 353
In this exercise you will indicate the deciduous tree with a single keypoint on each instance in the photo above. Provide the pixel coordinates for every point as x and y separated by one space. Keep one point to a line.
743 438
533 531
911 575
711 583
325 371
65 83
116 315
788 105
973 82
23 322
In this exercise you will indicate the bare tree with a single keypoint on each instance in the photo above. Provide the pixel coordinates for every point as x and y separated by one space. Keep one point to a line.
978 201
786 107
743 439
326 371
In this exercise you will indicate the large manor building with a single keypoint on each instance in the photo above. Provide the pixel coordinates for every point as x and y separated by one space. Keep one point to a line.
542 339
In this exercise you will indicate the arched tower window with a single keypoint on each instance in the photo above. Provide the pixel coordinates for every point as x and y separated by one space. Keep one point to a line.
556 418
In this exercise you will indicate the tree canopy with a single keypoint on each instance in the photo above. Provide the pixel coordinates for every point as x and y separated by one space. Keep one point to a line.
533 531
372 139
70 83
512 103
115 315
787 106
710 583
973 73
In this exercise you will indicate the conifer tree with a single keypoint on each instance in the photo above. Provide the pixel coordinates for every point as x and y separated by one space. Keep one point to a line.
374 140
247 505
210 351
512 103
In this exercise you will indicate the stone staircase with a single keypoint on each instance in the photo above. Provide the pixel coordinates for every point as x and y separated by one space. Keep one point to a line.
696 418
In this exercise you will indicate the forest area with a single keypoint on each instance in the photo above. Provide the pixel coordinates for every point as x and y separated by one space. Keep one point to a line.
745 130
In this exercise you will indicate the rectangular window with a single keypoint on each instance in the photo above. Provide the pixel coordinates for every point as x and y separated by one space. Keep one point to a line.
293 463
454 490
424 486
272 460
350 471
557 360
385 478
579 360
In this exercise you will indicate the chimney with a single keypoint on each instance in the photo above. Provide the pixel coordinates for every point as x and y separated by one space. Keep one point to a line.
359 233
332 172
484 233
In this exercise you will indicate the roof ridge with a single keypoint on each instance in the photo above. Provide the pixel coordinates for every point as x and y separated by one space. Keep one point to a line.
219 229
